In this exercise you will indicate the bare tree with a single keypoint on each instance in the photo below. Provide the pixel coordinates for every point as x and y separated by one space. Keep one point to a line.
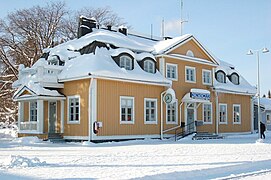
25 33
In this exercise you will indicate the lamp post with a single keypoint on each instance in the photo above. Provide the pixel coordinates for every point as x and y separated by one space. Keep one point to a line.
250 52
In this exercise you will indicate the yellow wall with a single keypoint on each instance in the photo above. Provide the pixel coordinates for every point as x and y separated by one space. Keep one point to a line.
81 88
191 45
108 98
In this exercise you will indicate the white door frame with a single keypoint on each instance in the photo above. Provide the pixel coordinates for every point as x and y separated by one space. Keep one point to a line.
185 114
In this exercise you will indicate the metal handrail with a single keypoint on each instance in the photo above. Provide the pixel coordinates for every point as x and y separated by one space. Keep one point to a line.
183 132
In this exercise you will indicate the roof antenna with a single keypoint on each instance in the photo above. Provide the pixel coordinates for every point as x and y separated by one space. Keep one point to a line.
182 21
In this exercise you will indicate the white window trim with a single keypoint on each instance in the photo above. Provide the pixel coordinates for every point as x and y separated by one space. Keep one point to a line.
29 104
208 71
68 110
211 113
190 53
176 114
176 66
222 104
236 105
130 62
133 113
195 74
150 122
152 64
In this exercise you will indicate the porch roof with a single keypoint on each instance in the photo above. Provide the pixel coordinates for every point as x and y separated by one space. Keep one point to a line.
197 96
36 91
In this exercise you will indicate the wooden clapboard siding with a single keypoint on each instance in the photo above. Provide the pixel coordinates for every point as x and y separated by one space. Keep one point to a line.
108 107
191 45
26 112
58 116
245 103
81 88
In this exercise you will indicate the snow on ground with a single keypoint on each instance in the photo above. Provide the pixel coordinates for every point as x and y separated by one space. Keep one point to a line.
235 157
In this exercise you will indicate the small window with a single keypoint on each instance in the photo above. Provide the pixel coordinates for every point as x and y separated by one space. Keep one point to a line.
207 113
149 66
126 110
190 74
236 114
172 71
268 118
223 114
126 62
73 109
206 77
53 60
33 111
190 53
172 114
150 106
221 76
234 78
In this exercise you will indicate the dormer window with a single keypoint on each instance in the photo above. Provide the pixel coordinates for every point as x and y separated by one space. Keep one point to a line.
55 60
149 66
190 53
220 76
126 62
234 78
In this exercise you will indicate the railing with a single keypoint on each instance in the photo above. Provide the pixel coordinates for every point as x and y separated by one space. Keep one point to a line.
183 131
28 126
43 74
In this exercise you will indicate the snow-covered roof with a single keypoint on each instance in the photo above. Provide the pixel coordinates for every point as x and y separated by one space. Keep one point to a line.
264 102
35 89
162 46
102 65
243 87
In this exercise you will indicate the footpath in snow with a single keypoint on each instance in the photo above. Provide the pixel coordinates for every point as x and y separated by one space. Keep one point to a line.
235 157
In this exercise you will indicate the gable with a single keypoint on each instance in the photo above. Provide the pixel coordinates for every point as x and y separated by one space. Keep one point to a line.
26 92
198 50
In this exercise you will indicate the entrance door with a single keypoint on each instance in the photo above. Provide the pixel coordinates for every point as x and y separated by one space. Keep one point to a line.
190 117
52 117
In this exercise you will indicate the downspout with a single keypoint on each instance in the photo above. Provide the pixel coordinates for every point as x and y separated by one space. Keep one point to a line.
89 110
180 108
217 110
162 115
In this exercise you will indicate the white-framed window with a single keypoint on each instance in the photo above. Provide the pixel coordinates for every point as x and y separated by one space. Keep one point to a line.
207 113
150 111
236 114
190 53
127 110
190 74
172 71
235 78
126 62
268 118
172 113
220 76
74 109
223 118
206 77
33 111
149 66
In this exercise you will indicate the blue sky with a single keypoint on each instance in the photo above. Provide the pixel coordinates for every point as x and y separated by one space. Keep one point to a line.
228 28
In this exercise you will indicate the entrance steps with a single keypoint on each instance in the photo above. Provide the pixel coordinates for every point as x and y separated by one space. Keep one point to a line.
206 135
56 138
